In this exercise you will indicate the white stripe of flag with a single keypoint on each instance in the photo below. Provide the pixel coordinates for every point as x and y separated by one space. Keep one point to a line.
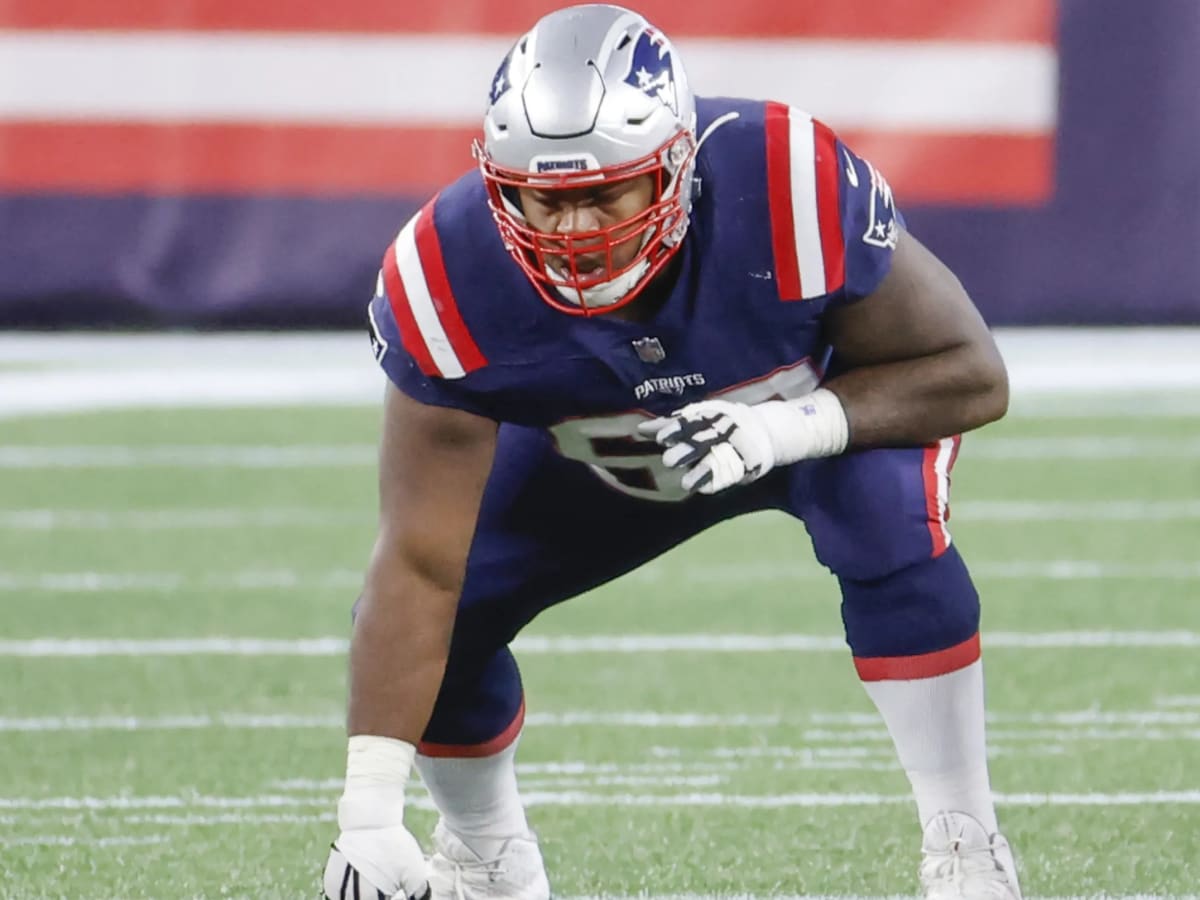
1001 88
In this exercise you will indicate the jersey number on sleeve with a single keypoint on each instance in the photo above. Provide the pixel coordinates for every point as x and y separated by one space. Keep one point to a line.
633 465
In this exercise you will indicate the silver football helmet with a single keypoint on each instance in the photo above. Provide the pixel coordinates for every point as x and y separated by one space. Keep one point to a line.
591 94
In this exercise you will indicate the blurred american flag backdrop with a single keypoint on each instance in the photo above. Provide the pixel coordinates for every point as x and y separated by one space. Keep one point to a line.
221 163
956 101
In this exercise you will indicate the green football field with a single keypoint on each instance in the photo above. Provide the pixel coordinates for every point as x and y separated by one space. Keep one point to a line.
174 595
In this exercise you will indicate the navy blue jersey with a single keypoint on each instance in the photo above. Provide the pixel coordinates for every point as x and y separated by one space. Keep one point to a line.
786 222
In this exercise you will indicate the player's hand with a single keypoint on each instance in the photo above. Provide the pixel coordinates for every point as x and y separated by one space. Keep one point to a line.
375 863
717 442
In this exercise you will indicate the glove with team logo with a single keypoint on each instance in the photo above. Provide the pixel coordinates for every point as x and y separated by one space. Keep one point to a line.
375 857
720 443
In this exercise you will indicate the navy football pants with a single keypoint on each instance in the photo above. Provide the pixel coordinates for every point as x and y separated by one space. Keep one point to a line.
549 530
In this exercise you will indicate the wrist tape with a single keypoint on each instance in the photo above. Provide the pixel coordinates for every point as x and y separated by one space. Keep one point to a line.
806 428
377 769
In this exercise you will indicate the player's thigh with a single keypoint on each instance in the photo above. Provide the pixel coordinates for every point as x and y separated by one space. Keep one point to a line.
875 512
550 529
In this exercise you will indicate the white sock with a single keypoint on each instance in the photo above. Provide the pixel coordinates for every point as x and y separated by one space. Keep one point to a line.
938 728
477 797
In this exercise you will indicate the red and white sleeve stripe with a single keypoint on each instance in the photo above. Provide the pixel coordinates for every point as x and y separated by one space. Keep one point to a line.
418 290
806 217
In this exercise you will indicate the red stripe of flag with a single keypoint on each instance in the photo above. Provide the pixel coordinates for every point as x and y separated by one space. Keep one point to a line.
779 190
118 157
125 157
933 511
927 167
429 249
410 334
965 20
829 206
924 665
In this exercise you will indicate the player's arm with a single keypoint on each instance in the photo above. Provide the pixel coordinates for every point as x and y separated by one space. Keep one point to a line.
917 360
914 361
917 364
434 462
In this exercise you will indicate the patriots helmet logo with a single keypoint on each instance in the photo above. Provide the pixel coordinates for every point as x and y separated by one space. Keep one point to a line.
652 70
500 81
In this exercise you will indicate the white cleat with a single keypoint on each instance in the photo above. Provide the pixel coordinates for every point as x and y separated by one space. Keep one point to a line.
456 872
963 862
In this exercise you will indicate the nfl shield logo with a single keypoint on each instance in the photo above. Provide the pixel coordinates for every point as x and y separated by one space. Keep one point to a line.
649 350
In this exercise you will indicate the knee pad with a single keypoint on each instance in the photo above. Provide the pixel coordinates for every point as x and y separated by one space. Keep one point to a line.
926 608
479 708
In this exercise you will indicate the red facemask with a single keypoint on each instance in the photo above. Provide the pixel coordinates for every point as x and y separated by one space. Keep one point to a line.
575 262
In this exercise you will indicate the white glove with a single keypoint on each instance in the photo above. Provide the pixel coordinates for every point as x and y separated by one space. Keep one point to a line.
721 443
375 857
376 864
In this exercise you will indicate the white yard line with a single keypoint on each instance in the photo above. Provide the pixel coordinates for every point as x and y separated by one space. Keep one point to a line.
62 840
124 801
192 456
652 720
90 582
1138 406
772 571
122 582
287 456
821 726
167 723
85 647
600 781
1081 447
51 519
190 821
333 721
183 518
1073 511
738 573
713 573
172 386
575 768
572 645
1087 569
1069 717
803 643
693 799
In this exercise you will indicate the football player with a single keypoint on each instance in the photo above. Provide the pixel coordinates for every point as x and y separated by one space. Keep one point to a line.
646 313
